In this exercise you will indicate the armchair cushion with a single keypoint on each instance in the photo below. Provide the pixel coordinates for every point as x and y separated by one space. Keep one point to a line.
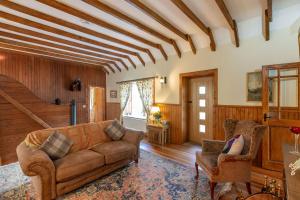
237 146
229 143
232 158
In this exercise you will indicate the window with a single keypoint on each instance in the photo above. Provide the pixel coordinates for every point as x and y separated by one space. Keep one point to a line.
202 102
202 128
202 115
202 90
134 107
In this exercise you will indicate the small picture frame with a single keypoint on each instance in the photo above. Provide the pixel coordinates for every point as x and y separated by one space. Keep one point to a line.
113 94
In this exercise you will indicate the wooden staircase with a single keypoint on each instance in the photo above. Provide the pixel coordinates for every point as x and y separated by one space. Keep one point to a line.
22 112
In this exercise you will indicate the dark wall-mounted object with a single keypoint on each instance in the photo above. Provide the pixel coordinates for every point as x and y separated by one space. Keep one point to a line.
57 101
76 85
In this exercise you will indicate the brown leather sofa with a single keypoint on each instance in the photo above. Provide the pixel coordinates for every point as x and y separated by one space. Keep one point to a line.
92 155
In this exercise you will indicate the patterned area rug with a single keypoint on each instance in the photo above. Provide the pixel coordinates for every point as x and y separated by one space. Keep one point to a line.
153 178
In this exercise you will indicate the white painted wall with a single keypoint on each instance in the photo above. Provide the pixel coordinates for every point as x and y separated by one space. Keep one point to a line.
232 63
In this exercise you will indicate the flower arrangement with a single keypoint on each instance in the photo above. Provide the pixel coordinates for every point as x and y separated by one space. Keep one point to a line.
156 114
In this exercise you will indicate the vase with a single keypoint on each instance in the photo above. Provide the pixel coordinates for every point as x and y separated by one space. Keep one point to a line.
296 150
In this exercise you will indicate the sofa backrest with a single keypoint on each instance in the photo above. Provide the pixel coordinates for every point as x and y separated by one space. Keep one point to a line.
84 136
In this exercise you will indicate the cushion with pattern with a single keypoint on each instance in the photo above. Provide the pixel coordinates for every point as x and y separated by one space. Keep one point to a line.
234 146
115 130
229 144
56 145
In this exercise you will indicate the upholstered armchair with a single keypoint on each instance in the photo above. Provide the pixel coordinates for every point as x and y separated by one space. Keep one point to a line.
221 167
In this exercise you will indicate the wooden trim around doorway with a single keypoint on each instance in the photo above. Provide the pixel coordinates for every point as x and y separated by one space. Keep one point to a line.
183 92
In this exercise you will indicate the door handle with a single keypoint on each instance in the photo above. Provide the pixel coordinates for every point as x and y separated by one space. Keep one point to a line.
266 117
190 101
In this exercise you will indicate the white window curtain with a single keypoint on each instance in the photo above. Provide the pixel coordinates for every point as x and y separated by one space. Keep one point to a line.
146 91
125 90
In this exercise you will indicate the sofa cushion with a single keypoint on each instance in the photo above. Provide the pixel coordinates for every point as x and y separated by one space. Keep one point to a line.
115 151
57 145
95 134
115 131
77 163
75 133
209 161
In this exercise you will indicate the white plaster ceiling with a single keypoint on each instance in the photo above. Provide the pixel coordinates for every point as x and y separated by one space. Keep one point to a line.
247 13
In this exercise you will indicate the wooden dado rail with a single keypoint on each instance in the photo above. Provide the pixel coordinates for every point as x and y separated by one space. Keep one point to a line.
21 112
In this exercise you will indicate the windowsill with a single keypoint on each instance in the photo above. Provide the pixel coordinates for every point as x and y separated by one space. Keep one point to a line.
131 117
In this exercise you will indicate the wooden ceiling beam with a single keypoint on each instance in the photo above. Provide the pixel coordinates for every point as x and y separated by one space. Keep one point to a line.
105 8
44 49
35 52
151 13
230 21
58 46
110 67
70 25
63 41
267 18
56 31
270 9
67 9
192 16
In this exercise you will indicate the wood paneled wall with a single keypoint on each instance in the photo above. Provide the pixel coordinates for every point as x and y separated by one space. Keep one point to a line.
112 110
172 113
35 83
50 79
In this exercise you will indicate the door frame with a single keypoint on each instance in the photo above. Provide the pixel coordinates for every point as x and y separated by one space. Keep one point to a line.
88 101
183 92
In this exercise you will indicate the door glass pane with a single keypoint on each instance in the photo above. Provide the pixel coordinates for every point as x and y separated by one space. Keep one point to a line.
202 115
202 90
202 128
272 72
288 92
202 102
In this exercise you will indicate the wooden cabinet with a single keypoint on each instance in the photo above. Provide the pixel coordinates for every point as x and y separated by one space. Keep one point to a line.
158 133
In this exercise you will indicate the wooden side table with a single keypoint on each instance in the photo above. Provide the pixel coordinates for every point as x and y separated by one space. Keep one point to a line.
158 133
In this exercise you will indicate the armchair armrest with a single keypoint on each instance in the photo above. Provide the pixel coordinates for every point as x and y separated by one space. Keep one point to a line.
235 168
232 158
35 162
213 146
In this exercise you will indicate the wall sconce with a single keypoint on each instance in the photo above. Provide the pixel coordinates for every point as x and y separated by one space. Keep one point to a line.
163 79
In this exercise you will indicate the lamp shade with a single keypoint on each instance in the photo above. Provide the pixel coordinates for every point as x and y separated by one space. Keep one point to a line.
155 109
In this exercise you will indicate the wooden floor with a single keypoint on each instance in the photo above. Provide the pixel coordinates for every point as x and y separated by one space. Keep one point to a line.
185 154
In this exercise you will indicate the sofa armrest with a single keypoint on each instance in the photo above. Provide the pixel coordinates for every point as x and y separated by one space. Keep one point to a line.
133 136
213 146
35 162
